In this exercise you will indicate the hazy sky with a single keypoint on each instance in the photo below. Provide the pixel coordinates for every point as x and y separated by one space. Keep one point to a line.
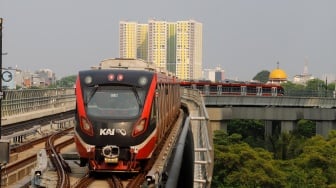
243 37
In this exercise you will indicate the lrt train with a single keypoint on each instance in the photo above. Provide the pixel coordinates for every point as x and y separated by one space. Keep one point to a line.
234 88
124 108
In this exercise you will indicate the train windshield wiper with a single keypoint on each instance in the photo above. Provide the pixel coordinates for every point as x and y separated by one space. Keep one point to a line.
90 95
137 96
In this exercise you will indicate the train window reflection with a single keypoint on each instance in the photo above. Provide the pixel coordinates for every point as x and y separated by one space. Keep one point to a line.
120 102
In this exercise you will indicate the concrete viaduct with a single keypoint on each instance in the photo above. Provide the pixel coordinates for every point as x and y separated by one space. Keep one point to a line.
287 110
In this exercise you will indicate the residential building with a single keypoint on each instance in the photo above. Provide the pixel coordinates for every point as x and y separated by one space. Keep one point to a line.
157 43
127 40
142 41
214 75
172 46
189 50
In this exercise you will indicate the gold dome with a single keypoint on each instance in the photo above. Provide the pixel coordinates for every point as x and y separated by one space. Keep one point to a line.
278 74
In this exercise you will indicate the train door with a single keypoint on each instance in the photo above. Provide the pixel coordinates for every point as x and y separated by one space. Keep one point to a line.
243 90
219 89
274 91
206 89
259 91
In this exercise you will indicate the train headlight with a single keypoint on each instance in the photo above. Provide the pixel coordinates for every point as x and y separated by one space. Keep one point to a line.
88 79
139 128
38 173
86 126
143 81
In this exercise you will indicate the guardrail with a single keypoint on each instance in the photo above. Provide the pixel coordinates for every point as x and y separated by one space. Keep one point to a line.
17 102
202 134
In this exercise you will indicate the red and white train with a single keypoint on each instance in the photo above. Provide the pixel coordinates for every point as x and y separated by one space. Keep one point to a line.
234 88
124 107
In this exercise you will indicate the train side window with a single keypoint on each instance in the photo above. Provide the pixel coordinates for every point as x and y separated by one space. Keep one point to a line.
206 89
259 91
243 90
219 89
153 112
274 91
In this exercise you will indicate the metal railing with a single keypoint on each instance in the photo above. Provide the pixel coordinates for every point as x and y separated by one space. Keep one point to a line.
17 102
202 134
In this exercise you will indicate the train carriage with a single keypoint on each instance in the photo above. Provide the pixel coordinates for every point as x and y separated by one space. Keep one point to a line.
235 88
124 108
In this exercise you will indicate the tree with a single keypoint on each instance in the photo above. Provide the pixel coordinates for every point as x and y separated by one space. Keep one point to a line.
252 131
68 81
262 76
239 165
293 89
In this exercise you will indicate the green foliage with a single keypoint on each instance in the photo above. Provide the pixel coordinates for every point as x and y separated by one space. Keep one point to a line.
313 88
262 76
252 131
302 160
68 81
305 128
315 84
238 165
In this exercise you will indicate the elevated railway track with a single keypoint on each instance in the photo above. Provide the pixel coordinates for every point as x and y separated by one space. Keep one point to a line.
64 101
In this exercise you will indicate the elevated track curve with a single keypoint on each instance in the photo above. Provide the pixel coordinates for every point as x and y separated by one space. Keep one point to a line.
24 105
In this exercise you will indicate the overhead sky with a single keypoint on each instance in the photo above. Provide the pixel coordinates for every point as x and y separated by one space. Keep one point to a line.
243 37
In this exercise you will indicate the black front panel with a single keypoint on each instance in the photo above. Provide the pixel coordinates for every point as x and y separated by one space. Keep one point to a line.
117 133
113 102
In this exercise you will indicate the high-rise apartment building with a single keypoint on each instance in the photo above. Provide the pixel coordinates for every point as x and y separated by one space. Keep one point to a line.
171 47
175 46
157 43
127 40
142 41
189 50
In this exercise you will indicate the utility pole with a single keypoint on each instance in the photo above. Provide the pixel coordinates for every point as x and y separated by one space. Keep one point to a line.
1 94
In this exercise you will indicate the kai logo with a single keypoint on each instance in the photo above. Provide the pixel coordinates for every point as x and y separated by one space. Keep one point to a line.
112 132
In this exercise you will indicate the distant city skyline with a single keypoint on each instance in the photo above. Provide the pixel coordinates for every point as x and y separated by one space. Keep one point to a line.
242 37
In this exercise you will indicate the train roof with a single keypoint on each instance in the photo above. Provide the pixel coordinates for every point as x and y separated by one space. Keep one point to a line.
132 64
121 63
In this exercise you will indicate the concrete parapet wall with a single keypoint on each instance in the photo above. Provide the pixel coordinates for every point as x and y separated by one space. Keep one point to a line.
37 114
325 117
271 113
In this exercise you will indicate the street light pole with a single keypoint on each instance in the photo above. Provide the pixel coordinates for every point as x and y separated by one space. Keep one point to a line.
1 94
0 74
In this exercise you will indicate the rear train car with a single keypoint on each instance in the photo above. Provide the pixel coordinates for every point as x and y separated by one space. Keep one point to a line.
124 109
235 88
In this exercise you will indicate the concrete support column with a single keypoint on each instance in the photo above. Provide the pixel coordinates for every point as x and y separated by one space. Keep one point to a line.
268 128
324 127
287 126
219 125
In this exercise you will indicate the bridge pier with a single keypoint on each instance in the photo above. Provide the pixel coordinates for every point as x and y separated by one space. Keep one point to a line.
288 126
324 127
268 128
285 127
219 125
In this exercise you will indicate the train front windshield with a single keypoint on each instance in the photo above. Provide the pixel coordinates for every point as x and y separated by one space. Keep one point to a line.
114 102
